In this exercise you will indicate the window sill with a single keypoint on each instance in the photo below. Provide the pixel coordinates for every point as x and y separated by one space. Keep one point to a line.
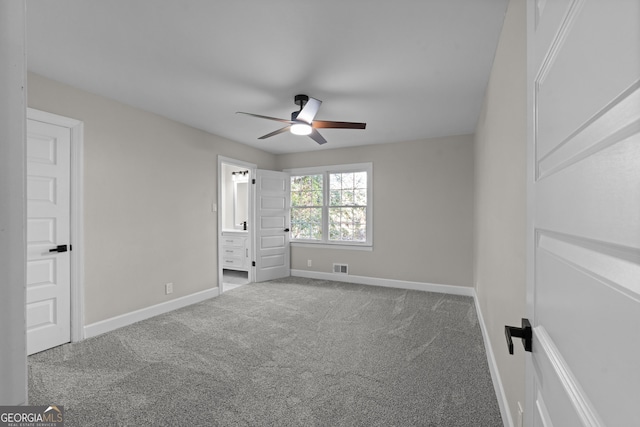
343 246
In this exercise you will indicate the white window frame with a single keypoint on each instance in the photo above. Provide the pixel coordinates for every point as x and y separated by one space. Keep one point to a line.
325 171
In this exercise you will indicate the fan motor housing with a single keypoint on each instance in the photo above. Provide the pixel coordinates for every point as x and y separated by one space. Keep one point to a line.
301 100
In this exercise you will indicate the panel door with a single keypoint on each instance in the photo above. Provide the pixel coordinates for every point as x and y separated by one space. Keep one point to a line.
48 209
272 225
585 237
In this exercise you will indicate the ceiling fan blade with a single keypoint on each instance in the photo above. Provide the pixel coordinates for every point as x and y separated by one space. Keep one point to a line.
274 133
265 117
310 110
315 135
324 124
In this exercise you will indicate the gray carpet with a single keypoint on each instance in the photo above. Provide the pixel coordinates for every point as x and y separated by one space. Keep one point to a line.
291 352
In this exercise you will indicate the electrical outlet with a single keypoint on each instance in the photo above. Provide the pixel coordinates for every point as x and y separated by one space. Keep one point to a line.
168 288
309 263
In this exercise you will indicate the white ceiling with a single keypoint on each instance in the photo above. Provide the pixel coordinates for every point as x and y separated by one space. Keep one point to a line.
410 69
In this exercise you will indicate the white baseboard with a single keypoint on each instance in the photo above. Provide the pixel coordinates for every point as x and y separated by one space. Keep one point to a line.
107 325
493 369
387 283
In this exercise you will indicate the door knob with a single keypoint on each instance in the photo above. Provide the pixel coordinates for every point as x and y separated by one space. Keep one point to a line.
525 333
286 229
59 248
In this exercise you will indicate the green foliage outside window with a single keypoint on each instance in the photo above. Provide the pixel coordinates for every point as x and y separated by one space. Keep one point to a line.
348 206
306 207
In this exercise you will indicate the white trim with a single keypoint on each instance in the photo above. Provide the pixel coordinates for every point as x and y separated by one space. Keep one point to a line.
326 171
351 167
77 232
55 119
76 128
501 395
334 246
108 325
387 283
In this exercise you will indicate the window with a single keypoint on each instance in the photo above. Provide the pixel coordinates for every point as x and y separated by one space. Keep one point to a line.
306 207
332 205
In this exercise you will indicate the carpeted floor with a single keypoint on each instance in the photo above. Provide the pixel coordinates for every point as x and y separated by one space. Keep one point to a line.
291 352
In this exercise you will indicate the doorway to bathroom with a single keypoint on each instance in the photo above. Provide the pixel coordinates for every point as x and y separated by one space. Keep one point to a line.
235 223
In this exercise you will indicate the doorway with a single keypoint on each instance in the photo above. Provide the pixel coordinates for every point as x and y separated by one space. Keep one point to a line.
235 223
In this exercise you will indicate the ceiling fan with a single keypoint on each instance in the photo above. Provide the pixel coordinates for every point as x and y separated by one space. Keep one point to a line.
302 121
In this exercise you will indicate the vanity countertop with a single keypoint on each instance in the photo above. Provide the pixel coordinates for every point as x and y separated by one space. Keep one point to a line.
234 232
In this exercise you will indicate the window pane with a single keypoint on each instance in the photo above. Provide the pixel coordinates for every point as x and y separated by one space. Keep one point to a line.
298 222
335 180
306 223
360 180
315 215
359 214
306 190
347 224
335 198
297 183
348 189
360 233
360 197
316 198
316 232
347 197
347 181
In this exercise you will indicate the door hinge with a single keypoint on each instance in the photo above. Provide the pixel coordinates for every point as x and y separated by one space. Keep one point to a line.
253 180
253 263
525 333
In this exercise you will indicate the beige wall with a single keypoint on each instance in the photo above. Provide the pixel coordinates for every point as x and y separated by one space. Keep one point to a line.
149 184
423 211
500 200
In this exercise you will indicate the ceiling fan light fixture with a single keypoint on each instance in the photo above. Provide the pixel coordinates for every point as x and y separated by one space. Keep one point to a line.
301 129
303 122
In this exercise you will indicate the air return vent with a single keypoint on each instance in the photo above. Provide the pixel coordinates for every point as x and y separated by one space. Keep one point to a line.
341 268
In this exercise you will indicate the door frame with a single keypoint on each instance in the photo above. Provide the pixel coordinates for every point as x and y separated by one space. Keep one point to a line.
251 217
76 218
529 398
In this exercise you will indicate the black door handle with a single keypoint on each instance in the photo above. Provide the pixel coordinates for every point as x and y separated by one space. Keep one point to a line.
286 229
59 248
525 333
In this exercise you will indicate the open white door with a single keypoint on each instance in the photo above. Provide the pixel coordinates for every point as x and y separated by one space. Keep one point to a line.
48 236
584 257
272 225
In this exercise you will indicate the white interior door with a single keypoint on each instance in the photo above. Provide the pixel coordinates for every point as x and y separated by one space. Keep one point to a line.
584 284
48 223
272 225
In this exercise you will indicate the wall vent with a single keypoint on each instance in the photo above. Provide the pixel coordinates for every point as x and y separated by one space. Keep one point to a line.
341 268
